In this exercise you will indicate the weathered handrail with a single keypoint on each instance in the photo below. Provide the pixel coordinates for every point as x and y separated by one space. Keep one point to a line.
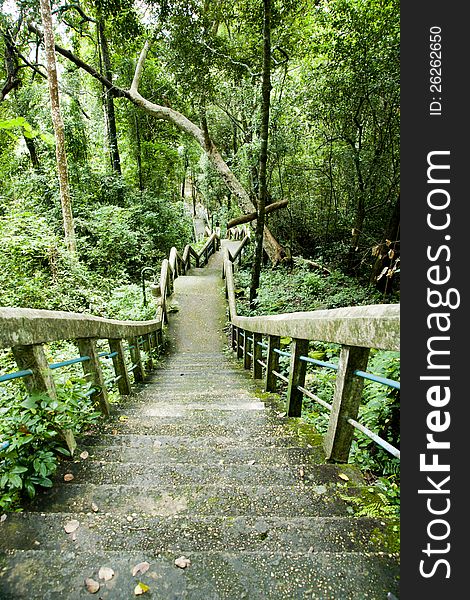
25 331
357 329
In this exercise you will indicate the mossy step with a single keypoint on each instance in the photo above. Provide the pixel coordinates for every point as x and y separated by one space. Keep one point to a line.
164 475
102 531
44 575
235 500
126 448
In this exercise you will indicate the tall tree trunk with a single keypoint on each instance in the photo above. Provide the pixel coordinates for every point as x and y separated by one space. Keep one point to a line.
58 125
263 158
32 153
138 153
109 102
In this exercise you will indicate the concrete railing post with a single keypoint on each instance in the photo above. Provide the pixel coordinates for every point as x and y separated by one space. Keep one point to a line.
272 362
346 400
92 369
139 372
257 369
120 368
247 346
297 371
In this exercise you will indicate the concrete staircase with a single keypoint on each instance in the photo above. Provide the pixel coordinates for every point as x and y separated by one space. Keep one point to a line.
197 465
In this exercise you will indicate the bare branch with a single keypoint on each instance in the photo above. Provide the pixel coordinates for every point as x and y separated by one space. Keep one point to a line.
139 68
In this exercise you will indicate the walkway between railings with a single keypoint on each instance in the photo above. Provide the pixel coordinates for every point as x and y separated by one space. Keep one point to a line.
199 487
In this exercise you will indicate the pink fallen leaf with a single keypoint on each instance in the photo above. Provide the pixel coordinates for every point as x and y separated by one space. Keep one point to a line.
105 573
84 455
68 477
71 526
141 568
91 585
182 562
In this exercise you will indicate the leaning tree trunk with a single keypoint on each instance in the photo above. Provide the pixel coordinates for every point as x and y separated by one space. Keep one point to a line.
263 160
58 125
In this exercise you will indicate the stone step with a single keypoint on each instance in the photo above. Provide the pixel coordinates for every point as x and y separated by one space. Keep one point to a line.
192 436
232 500
273 575
195 451
202 428
193 533
167 475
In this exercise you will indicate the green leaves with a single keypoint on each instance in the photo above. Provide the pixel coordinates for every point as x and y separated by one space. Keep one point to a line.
28 131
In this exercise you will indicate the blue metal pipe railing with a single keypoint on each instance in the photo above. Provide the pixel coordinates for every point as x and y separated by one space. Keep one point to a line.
320 363
66 363
15 375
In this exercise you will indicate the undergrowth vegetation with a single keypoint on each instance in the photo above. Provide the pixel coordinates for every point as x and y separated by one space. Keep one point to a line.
298 288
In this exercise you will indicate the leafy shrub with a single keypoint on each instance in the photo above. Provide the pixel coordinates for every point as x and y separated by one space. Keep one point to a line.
34 426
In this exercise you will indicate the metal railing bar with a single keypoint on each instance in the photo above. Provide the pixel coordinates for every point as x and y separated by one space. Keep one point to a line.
263 345
250 354
107 354
280 376
132 368
90 392
113 379
260 362
383 380
66 363
377 439
314 397
282 352
320 363
16 375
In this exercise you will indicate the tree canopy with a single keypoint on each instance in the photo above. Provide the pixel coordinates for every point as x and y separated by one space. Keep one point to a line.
163 99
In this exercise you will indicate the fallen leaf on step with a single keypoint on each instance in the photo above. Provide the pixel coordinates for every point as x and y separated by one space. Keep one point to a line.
71 526
343 476
251 462
3 518
91 585
114 431
123 418
301 472
105 573
84 455
68 477
140 589
94 507
182 562
157 444
141 568
281 415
